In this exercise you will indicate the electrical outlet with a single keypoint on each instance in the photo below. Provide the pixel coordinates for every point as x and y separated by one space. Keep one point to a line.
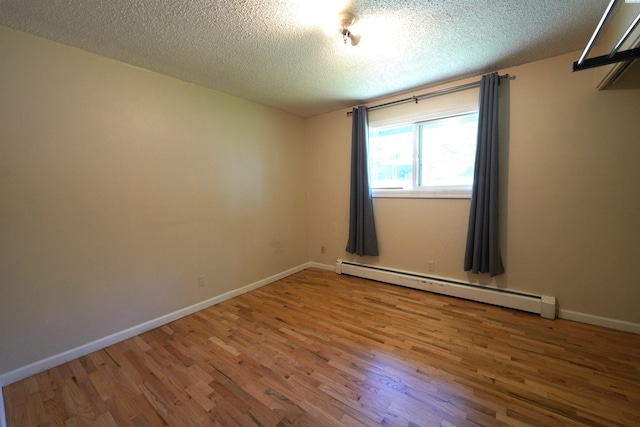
201 280
322 249
432 266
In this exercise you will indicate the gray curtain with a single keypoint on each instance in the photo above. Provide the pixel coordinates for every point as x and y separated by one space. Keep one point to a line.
483 253
362 228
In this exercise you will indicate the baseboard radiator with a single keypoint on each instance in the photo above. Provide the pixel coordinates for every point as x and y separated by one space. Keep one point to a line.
543 305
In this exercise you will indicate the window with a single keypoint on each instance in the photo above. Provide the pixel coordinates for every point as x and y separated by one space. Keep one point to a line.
427 158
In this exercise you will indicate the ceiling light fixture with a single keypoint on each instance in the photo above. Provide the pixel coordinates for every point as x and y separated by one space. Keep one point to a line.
346 20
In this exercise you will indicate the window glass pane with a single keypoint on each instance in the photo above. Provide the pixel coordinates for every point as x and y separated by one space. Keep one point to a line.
447 149
391 157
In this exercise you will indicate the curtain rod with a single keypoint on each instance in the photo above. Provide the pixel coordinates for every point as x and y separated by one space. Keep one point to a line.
433 94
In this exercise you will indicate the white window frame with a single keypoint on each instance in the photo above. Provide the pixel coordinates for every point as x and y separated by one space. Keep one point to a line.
424 192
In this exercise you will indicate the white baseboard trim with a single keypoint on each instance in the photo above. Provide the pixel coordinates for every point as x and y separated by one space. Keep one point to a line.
607 322
83 350
3 418
320 266
50 362
58 359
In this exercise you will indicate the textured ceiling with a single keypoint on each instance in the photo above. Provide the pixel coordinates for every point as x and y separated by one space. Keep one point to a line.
278 52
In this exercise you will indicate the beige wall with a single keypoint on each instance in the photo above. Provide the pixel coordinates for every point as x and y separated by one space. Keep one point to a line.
119 187
570 207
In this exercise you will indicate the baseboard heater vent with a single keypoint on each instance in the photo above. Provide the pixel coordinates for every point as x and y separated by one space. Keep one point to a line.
543 305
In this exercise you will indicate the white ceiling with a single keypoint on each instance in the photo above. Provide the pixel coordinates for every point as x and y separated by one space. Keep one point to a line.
278 53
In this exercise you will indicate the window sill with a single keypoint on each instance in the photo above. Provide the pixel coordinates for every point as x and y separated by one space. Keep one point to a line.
436 193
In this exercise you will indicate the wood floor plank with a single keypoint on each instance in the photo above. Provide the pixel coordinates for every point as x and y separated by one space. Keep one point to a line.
320 349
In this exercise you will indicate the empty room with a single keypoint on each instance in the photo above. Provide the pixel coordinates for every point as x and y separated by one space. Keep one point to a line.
319 213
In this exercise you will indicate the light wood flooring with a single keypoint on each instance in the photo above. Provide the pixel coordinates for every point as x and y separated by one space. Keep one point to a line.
321 349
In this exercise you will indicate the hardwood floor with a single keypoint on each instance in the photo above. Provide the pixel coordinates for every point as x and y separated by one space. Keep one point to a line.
320 349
